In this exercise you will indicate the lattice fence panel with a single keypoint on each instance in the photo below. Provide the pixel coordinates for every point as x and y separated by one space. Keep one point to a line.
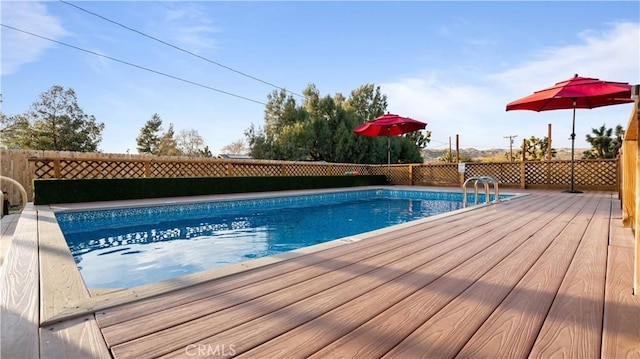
342 168
257 170
399 175
596 173
558 173
187 169
43 169
78 168
445 174
537 172
302 169
503 172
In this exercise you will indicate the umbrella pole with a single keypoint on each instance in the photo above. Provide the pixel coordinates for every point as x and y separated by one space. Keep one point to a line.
573 140
389 156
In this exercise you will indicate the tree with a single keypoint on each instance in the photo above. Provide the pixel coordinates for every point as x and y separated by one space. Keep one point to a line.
603 145
237 147
206 152
190 143
149 138
368 102
168 145
536 149
15 132
320 129
60 124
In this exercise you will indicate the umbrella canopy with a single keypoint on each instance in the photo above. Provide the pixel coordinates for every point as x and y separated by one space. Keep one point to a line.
389 125
576 92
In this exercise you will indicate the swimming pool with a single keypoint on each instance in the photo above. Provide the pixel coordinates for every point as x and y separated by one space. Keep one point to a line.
123 248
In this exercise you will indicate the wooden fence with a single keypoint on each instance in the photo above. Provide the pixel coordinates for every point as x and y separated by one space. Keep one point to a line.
630 186
24 166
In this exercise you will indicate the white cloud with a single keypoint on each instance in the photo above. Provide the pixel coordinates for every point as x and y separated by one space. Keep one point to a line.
19 48
474 106
609 55
190 28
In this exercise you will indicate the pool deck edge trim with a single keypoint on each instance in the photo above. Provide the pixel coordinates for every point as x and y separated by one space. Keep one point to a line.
81 305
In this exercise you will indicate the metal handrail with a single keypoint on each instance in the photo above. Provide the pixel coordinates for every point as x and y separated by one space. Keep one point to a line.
485 180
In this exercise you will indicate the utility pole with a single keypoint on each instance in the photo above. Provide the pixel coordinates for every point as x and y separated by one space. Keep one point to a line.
511 137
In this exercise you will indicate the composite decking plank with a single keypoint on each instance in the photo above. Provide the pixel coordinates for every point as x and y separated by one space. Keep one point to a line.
266 327
379 335
19 291
619 235
8 225
75 338
61 283
355 330
129 311
261 329
621 330
372 246
573 327
512 328
178 337
323 278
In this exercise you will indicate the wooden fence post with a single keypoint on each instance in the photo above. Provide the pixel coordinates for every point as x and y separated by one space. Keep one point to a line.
147 168
411 175
56 168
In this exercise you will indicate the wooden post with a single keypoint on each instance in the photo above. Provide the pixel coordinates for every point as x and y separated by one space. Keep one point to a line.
636 261
56 168
147 168
411 175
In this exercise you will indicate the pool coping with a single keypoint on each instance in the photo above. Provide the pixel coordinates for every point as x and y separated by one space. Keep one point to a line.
73 299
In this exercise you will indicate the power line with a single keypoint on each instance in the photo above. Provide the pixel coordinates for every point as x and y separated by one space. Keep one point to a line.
134 65
179 48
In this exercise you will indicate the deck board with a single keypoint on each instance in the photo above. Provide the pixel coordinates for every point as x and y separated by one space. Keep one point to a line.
434 335
546 275
511 329
19 314
574 323
621 332
390 321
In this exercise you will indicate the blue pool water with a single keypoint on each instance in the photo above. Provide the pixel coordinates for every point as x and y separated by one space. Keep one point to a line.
124 248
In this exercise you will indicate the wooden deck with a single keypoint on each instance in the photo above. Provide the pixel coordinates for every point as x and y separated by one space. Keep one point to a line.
546 275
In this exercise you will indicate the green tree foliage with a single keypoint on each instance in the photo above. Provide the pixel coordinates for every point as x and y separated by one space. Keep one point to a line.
54 122
149 137
603 145
168 146
15 132
320 129
535 149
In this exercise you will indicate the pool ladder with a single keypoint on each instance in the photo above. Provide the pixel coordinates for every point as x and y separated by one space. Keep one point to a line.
485 180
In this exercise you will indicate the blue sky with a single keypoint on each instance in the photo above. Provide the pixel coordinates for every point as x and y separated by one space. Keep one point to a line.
454 65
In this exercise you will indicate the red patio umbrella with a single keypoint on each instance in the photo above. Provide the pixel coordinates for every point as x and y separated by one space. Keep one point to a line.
389 125
576 92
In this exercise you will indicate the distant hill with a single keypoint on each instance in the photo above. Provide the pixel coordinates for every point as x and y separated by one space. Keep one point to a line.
432 155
